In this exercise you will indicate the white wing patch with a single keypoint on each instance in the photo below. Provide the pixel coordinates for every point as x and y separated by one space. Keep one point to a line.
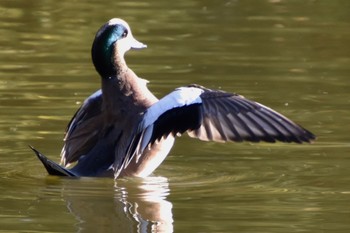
182 96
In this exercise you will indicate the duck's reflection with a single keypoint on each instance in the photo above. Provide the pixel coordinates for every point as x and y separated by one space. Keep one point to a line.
146 204
134 205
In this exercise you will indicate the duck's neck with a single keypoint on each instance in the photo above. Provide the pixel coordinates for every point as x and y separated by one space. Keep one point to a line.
113 70
108 59
117 85
124 91
119 64
120 85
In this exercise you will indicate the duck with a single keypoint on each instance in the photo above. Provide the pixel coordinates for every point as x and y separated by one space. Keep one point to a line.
123 130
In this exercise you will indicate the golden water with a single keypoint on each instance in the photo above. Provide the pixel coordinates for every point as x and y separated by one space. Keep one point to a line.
290 55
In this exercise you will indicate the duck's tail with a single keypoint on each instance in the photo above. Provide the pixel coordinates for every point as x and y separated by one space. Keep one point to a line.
52 167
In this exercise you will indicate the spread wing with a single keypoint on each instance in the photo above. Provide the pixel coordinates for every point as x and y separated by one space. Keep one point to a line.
212 115
82 131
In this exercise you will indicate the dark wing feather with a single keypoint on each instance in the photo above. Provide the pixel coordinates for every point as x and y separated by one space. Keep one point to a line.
223 116
211 115
177 121
231 117
82 131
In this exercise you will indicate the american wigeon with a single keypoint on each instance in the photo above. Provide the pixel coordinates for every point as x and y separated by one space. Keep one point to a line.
124 130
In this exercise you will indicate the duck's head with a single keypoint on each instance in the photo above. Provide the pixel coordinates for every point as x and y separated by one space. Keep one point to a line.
111 42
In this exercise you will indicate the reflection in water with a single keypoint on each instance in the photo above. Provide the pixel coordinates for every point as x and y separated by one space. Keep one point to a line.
146 204
132 206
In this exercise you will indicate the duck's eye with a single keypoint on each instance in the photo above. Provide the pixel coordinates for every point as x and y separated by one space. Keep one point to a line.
125 33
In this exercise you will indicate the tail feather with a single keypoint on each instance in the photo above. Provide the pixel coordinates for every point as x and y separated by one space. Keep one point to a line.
52 167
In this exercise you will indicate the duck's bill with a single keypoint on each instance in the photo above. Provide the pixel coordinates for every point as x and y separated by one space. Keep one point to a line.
137 45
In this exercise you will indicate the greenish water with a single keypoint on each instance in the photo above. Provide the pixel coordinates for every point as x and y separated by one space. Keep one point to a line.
293 56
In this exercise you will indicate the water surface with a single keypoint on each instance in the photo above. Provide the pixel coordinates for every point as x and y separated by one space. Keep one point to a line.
290 55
